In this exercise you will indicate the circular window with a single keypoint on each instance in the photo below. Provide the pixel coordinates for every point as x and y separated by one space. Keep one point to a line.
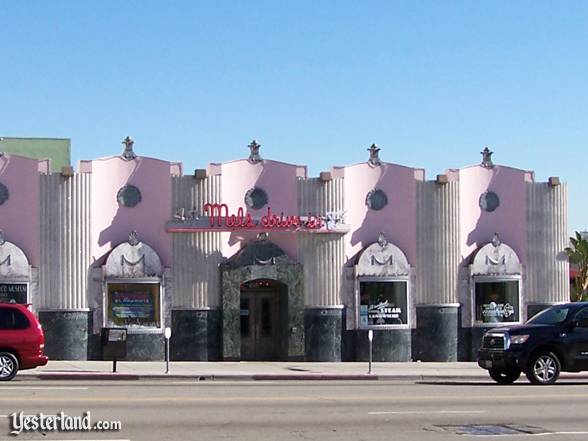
489 201
376 199
128 196
4 195
256 198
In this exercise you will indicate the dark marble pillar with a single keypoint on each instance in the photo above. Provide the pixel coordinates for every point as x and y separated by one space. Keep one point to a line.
348 345
195 335
145 347
437 333
388 345
477 334
66 334
323 331
534 308
465 344
95 347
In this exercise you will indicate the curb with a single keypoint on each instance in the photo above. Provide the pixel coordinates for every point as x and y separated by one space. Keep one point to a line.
85 376
123 376
316 377
114 376
196 377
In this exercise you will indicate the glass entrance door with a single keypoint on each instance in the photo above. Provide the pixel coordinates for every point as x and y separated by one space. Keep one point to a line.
260 324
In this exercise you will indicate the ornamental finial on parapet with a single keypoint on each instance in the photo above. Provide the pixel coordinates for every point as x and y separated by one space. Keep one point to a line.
133 238
254 156
128 152
382 241
263 236
487 158
496 240
374 155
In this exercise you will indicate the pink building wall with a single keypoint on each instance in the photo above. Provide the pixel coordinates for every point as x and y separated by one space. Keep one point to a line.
111 222
397 220
509 220
19 215
278 180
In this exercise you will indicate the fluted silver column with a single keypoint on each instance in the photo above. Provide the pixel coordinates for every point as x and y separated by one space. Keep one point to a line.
436 294
65 262
192 194
65 241
437 243
323 258
196 278
547 266
320 197
196 256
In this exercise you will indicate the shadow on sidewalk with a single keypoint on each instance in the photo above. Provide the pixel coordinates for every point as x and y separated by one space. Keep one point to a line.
482 383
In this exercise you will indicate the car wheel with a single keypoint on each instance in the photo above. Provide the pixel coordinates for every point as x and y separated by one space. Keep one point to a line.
505 377
543 368
8 366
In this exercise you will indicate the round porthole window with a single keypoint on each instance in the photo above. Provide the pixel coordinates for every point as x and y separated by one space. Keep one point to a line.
489 201
128 196
256 198
4 195
376 199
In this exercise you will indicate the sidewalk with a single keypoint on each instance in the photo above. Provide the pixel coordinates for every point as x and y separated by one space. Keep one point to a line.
200 371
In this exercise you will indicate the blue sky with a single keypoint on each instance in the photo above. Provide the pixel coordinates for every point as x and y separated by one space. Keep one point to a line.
315 83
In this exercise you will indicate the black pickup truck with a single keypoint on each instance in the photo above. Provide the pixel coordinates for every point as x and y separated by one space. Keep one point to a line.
552 341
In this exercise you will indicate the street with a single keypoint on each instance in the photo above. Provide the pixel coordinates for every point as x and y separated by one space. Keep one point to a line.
326 410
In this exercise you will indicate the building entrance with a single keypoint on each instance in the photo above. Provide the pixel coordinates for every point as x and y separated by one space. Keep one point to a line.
262 318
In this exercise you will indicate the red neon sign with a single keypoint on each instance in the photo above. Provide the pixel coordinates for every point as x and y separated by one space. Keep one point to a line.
221 217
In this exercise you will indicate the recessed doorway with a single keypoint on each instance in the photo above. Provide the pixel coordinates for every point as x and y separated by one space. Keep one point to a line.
262 317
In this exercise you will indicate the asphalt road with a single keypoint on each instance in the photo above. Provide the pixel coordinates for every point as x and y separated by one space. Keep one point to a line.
325 411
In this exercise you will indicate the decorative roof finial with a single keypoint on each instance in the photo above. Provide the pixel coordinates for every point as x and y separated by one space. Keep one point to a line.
263 236
133 238
374 155
496 240
2 240
254 157
128 153
487 158
382 241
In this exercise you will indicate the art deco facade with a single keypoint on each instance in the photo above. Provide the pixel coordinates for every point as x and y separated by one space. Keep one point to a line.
253 259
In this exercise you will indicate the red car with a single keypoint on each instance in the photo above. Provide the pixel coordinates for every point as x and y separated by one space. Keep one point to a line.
21 340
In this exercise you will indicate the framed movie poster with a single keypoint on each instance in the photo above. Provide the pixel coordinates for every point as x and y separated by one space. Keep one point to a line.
134 305
14 292
497 301
383 303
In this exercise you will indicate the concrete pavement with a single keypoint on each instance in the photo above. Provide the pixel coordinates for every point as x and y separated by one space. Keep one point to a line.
174 410
135 370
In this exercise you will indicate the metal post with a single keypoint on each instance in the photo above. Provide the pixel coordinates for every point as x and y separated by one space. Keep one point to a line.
114 365
370 338
167 355
167 336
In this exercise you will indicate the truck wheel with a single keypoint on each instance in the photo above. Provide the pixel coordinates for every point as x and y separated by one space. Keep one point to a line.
8 366
543 368
505 377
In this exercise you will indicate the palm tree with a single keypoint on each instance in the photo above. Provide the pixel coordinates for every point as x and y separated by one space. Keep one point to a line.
578 255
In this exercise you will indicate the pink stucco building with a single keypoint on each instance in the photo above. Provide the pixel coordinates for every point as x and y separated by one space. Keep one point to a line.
255 260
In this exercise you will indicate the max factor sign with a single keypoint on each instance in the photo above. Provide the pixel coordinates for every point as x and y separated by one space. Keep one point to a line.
218 217
13 292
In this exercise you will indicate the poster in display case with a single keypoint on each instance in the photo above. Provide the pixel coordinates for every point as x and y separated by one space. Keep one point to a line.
134 304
